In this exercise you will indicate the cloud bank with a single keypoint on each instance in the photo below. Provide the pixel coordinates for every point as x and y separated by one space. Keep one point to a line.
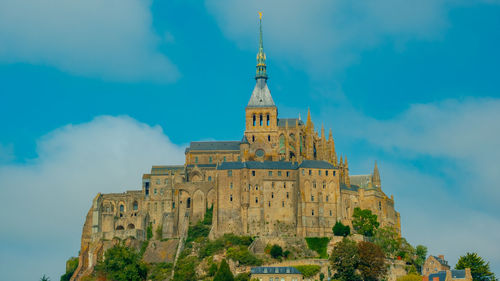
46 200
107 39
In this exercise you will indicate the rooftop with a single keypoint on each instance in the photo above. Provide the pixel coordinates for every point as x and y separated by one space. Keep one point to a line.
274 270
213 145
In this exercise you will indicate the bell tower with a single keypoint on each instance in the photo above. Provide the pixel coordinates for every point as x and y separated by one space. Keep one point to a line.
261 114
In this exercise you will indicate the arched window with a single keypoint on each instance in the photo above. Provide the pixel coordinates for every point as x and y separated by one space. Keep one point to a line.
268 137
122 208
254 119
253 138
267 120
135 206
120 227
189 203
282 144
260 122
312 212
131 226
324 185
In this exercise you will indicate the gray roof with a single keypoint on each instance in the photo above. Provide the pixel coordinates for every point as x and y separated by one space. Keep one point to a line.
160 170
318 164
268 165
361 180
261 96
455 274
441 261
291 122
202 165
274 270
351 188
213 145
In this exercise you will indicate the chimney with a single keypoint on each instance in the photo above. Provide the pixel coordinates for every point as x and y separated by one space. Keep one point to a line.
441 257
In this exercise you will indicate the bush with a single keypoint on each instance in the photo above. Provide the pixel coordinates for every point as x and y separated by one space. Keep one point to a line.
71 266
318 244
243 256
245 276
185 269
286 253
122 263
160 271
224 273
276 251
212 270
308 270
339 229
207 219
149 231
364 222
211 247
196 231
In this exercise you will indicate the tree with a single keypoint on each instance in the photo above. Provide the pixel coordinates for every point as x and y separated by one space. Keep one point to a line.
345 260
387 239
224 273
71 265
122 264
421 253
339 229
364 222
276 251
479 268
371 261
44 278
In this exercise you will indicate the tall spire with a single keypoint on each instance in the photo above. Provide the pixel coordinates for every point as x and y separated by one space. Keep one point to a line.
261 56
376 176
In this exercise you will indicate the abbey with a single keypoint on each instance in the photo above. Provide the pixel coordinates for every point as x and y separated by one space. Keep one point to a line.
283 178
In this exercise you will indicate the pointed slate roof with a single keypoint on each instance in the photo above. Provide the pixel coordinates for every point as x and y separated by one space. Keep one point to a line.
261 96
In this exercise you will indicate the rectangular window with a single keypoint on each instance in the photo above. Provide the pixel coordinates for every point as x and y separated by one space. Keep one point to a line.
173 205
282 203
310 172
196 159
155 191
270 173
269 203
287 195
210 159
231 186
312 212
303 173
327 198
279 173
312 197
256 200
284 185
224 158
319 172
330 213
333 173
272 194
229 173
287 174
231 198
326 173
253 173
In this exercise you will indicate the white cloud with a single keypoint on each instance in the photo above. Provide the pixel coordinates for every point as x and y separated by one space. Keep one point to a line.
46 201
110 39
440 160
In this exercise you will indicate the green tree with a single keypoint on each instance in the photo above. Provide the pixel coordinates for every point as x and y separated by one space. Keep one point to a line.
345 260
71 265
122 264
479 268
224 273
421 254
387 239
364 222
339 229
44 278
371 261
245 276
276 251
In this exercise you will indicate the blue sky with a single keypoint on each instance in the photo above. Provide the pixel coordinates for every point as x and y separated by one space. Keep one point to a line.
95 92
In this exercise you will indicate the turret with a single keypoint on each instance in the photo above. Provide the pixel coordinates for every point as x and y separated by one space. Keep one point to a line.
376 176
347 180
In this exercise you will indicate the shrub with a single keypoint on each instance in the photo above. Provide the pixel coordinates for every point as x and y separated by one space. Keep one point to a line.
212 269
245 276
207 219
276 251
286 253
160 271
308 270
71 266
243 256
224 273
318 244
339 229
196 231
149 231
122 263
185 269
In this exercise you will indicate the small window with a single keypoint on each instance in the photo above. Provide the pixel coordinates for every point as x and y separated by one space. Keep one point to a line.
268 137
287 195
379 205
267 120
272 184
333 173
314 184
287 174
282 203
253 173
279 173
196 159
310 172
284 185
122 208
209 178
270 173
229 173
158 181
269 203
312 198
319 172
330 213
312 212
256 200
326 173
256 187
224 159
327 198
260 120
253 138
173 205
231 186
272 194
162 190
210 159
155 191
166 181
254 120
324 185
231 198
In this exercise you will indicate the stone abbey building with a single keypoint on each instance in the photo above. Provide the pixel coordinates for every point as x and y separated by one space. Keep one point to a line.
283 178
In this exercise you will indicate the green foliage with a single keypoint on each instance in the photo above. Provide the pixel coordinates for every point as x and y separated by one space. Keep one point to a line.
395 246
44 278
207 219
196 231
185 269
245 276
212 269
160 271
364 222
224 273
286 253
149 231
308 270
345 260
144 246
211 247
71 265
243 256
410 277
479 268
339 229
159 232
321 276
421 254
371 261
122 264
276 251
318 244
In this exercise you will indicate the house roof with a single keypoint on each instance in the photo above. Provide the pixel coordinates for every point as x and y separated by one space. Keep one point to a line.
261 96
455 274
318 164
213 145
441 261
274 270
268 165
